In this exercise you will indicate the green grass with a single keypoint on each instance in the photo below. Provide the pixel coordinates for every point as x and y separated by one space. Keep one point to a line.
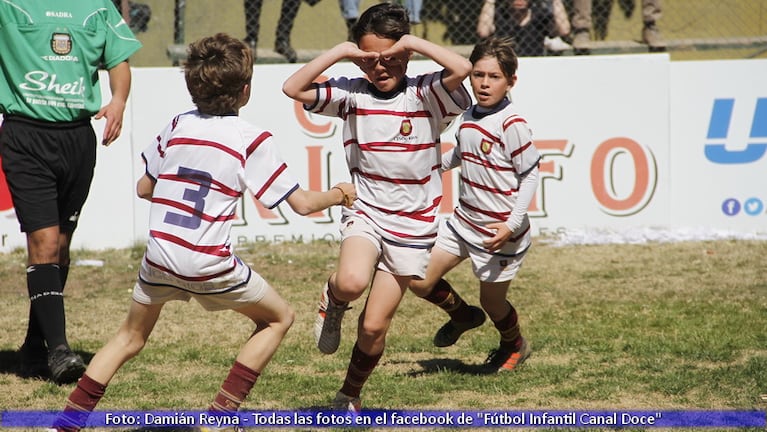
643 327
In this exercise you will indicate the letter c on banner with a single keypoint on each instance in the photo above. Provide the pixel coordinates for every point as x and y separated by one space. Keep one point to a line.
322 129
604 178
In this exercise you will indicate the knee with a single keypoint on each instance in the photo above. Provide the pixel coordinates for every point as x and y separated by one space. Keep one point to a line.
131 343
284 320
420 287
350 286
373 331
288 317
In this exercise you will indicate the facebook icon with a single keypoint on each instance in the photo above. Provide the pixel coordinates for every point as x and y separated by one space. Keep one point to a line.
731 207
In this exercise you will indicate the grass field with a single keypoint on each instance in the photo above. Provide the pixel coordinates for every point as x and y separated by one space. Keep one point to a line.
321 26
645 327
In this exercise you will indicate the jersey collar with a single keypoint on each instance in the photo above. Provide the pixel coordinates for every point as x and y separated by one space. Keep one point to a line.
479 113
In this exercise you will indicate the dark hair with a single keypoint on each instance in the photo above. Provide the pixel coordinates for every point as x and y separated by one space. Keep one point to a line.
386 20
500 48
217 68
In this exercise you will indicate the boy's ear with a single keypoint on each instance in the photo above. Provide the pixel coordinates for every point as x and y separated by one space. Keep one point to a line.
245 93
512 81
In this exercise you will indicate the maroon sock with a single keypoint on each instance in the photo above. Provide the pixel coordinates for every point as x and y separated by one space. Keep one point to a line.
235 388
444 296
80 404
361 366
508 327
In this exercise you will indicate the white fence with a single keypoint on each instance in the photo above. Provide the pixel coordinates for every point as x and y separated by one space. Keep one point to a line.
629 142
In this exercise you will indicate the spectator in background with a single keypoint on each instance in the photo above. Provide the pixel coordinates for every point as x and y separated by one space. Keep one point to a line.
288 12
136 15
527 22
48 146
651 13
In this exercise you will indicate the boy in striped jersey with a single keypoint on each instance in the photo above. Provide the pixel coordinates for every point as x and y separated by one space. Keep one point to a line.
499 177
391 130
197 170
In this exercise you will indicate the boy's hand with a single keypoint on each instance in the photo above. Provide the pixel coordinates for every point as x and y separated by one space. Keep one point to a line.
400 51
349 193
363 59
502 234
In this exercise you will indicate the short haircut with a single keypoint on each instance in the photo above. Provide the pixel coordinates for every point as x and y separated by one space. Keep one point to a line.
386 20
217 69
500 48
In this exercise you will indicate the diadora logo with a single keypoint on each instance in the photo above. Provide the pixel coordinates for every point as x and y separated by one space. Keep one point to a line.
719 133
752 206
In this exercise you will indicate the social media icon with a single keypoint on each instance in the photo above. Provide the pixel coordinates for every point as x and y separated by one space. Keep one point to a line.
753 207
731 207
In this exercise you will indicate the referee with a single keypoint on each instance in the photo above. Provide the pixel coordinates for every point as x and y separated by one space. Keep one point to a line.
49 90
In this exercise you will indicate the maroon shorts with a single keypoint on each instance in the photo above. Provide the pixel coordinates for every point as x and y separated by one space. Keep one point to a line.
48 168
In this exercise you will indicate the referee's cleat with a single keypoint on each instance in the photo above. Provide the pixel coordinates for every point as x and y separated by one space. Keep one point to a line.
449 333
327 326
66 367
501 360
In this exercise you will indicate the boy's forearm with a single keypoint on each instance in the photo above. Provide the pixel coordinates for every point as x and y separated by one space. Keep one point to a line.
457 67
301 81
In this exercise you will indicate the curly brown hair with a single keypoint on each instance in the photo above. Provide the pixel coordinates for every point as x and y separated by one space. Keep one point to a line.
217 69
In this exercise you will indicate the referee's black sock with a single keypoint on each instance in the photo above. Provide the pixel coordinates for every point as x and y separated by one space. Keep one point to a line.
47 302
34 338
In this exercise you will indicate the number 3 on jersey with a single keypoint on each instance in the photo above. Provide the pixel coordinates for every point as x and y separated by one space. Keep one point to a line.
196 196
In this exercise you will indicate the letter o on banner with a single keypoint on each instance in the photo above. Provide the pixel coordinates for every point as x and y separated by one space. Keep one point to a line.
605 176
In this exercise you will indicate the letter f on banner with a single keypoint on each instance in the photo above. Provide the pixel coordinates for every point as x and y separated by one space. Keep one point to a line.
718 129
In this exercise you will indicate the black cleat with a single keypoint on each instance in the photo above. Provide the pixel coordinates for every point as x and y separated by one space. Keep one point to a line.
66 367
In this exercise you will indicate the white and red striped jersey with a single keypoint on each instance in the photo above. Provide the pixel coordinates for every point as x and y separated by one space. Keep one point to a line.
391 142
495 150
203 165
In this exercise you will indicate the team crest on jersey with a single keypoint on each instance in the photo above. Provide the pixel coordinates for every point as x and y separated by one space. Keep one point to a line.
406 128
61 43
486 146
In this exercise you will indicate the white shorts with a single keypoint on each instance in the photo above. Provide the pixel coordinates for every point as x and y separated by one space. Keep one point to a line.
247 293
395 258
499 266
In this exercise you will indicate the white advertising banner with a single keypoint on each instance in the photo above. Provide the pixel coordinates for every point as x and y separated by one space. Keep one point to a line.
627 141
719 145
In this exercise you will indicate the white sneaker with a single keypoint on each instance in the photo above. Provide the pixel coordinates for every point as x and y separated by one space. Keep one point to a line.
555 44
346 403
327 326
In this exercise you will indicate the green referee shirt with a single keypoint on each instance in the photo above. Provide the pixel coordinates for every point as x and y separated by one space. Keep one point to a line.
50 53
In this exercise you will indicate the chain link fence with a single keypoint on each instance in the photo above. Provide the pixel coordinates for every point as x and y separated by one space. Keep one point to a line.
297 30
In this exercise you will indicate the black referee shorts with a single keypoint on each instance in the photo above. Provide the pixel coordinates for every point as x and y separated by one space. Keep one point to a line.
49 168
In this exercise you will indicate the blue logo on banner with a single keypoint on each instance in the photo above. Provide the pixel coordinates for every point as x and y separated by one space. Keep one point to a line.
719 126
753 206
731 207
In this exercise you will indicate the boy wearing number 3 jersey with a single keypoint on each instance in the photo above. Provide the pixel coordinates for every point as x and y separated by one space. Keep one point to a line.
197 170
